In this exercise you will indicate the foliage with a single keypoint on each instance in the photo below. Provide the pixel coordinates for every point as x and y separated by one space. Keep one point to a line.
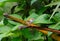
43 12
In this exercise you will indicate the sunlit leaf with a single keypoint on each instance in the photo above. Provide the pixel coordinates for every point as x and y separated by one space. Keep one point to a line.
2 0
33 15
54 3
55 26
33 1
16 27
16 16
4 29
1 23
43 19
8 6
5 35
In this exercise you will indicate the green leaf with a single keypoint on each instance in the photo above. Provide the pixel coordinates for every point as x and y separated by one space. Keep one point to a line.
32 1
4 29
32 35
55 26
16 33
1 23
2 4
41 11
40 40
43 19
57 17
1 11
5 35
12 22
9 0
2 0
5 21
16 16
33 15
32 11
16 27
50 39
16 39
8 6
37 40
50 33
54 11
13 0
17 9
53 3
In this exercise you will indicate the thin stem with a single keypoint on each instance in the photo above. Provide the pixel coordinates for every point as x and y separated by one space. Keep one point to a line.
54 12
31 25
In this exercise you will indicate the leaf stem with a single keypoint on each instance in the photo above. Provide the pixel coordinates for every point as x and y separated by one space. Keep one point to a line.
54 12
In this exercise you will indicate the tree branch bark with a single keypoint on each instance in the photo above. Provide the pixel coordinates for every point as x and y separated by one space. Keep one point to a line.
31 25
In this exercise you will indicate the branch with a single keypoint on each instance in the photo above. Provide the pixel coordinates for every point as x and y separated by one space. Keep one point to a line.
31 25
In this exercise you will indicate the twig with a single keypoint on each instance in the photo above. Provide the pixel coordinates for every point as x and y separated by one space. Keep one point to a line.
31 25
